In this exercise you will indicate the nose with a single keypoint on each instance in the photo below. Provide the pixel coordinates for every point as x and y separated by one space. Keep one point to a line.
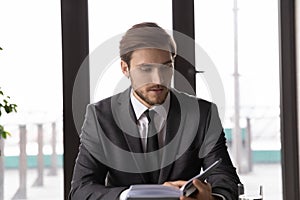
157 77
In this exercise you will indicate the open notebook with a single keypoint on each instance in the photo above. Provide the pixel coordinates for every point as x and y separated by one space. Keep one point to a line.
149 191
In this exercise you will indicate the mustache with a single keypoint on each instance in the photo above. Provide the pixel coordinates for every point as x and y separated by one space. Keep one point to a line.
155 87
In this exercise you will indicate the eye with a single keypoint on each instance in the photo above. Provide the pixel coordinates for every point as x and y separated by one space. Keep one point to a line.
146 68
166 67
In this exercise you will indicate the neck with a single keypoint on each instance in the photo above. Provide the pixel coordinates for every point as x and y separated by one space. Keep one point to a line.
141 100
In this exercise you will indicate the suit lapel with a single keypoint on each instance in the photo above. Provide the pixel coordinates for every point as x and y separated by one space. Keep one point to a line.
128 122
173 124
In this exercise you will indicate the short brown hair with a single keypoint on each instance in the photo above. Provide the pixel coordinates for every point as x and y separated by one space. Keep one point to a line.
145 35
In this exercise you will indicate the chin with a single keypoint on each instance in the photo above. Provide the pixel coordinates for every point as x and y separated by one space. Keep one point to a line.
158 101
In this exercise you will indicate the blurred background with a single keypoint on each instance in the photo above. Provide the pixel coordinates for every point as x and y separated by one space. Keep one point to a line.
240 37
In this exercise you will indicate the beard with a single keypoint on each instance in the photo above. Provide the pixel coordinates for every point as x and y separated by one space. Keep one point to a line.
144 95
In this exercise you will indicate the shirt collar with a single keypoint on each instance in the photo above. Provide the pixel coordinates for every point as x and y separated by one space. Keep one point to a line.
140 108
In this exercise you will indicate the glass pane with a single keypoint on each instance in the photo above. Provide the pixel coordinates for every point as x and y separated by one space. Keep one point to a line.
108 20
31 74
258 68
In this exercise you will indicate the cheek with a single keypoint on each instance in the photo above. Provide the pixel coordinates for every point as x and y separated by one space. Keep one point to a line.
139 81
168 76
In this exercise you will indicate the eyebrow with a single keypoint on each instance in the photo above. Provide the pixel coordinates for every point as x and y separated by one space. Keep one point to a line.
167 62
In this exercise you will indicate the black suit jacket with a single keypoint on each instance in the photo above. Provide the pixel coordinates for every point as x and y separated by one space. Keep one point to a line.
111 158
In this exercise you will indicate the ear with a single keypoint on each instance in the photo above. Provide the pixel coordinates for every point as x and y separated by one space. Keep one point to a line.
125 68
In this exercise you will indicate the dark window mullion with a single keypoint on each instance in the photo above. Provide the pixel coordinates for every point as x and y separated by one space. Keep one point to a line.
183 22
75 47
288 104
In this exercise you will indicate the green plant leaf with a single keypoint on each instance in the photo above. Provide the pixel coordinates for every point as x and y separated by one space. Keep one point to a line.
7 109
3 133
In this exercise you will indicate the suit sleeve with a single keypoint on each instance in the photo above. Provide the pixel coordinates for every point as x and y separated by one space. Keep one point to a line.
224 179
89 174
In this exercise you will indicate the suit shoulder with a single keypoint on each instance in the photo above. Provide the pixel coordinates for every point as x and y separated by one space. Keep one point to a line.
107 102
202 102
103 102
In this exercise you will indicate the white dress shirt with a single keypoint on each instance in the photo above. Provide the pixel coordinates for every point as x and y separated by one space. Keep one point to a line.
160 119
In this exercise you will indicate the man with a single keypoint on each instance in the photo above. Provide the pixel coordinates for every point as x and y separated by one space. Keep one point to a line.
151 133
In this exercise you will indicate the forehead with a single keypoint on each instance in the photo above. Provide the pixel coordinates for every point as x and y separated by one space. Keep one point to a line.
150 56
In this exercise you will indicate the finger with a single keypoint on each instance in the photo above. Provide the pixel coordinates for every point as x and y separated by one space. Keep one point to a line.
186 198
179 183
202 187
176 184
168 184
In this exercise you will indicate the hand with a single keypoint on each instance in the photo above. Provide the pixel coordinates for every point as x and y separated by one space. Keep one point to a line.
176 184
204 192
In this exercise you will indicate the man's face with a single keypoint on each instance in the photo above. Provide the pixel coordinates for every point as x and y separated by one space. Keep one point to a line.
150 73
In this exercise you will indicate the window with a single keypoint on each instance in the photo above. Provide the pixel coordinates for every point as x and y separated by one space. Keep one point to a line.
31 74
258 68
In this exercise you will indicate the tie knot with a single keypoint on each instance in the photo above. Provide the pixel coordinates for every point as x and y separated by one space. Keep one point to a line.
150 115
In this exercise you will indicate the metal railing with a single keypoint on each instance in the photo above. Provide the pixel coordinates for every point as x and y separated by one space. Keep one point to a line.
21 192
